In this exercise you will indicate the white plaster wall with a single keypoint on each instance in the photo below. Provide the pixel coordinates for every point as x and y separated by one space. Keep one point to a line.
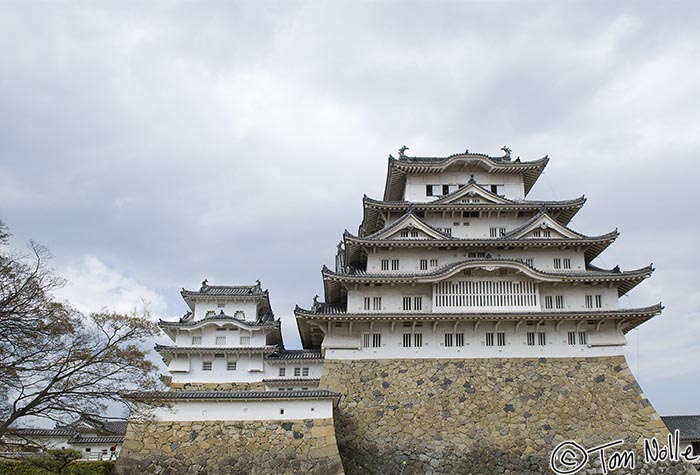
409 258
231 306
392 297
210 331
511 185
247 369
335 343
477 228
246 410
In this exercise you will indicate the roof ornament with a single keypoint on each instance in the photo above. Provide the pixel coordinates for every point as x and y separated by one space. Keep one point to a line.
401 151
472 181
204 285
507 151
257 283
488 255
316 304
409 209
616 269
340 246
517 160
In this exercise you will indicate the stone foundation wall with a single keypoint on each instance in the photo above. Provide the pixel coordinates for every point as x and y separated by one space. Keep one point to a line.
230 448
253 386
485 416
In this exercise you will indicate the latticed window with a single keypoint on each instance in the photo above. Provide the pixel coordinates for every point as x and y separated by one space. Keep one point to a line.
385 264
571 338
541 339
485 293
501 339
206 365
489 339
424 264
368 301
449 339
559 301
231 366
417 339
557 263
376 303
548 302
197 340
459 339
394 264
245 340
567 263
531 338
220 340
582 339
406 340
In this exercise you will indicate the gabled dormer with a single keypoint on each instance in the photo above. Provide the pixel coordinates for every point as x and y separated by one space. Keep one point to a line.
472 193
407 227
543 226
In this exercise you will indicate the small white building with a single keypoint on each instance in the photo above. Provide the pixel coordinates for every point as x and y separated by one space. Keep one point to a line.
688 428
228 362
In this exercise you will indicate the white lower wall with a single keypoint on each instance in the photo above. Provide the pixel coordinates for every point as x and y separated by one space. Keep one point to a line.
341 344
246 410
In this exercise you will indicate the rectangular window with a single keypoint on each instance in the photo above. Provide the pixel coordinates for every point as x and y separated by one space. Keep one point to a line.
221 304
445 189
537 233
582 339
376 340
414 234
449 339
394 264
231 366
367 303
541 339
548 302
501 339
283 372
557 263
559 301
365 340
489 339
567 263
297 372
305 372
407 303
459 339
418 339
531 338
547 233
501 232
598 301
404 234
206 365
424 264
385 264
417 303
433 262
493 232
245 340
470 214
220 340
476 255
589 301
572 338
528 262
428 190
196 340
376 303
494 189
406 340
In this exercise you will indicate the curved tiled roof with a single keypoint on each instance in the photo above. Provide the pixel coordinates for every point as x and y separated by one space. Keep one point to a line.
236 395
627 280
296 355
106 439
687 426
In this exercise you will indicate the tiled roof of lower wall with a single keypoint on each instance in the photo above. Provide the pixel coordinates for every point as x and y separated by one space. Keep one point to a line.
688 426
240 395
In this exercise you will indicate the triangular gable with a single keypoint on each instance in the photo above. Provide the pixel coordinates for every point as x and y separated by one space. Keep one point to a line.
543 226
471 194
409 223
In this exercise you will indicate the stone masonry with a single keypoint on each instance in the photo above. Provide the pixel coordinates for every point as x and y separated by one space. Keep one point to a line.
230 448
485 416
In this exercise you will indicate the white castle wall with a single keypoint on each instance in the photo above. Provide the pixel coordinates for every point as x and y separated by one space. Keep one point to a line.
212 410
230 305
409 258
510 185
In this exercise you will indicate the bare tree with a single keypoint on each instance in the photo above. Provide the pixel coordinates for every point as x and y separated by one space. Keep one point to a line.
54 361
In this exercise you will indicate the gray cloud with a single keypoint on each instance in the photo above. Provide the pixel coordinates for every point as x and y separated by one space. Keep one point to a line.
169 142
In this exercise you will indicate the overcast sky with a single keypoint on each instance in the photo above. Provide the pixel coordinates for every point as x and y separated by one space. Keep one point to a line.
151 145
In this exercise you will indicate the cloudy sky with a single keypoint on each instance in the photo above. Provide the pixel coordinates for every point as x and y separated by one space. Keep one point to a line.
151 145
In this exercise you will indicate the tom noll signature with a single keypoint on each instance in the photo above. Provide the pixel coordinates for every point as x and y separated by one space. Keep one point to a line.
569 457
